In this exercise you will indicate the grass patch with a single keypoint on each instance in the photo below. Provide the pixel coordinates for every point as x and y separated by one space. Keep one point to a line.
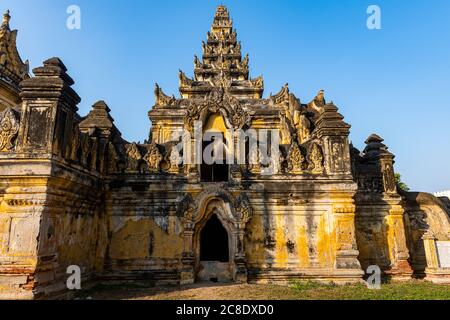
311 285
411 290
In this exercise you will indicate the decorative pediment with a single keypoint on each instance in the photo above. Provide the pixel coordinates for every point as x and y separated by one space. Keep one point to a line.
240 206
185 81
244 65
282 96
197 63
219 101
163 100
257 82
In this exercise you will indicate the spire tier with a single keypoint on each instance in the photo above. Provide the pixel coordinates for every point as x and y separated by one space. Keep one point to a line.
222 64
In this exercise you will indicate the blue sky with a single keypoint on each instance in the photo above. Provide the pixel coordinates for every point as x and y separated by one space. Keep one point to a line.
394 82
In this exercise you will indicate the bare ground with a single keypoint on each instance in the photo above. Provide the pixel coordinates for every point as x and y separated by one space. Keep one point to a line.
413 290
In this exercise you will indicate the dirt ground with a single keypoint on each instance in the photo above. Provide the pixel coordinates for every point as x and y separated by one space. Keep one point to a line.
414 290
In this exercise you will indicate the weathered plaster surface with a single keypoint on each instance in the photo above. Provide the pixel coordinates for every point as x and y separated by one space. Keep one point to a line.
73 192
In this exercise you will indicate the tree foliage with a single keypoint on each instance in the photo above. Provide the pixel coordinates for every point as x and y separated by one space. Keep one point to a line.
400 183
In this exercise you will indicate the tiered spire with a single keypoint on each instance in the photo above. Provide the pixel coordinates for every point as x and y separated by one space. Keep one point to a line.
222 52
222 64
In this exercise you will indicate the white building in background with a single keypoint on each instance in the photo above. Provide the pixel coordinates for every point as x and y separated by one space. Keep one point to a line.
443 194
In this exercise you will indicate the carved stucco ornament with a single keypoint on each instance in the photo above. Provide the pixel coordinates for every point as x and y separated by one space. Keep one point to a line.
295 159
134 157
153 158
303 127
219 101
316 159
175 159
163 100
293 116
258 82
389 179
282 96
186 207
184 80
254 165
9 127
318 102
243 208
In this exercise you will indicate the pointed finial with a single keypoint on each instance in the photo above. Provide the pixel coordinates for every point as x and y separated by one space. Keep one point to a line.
6 18
101 105
374 138
222 12
320 98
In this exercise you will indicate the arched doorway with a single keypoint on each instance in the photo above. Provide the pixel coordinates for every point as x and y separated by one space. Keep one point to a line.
201 230
214 264
214 241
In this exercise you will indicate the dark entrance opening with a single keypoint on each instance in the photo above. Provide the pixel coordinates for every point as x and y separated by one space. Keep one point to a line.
214 241
216 172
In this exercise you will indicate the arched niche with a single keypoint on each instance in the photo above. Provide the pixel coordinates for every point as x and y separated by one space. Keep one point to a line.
215 127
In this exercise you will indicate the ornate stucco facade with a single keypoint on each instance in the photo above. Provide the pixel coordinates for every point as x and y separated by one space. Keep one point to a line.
74 192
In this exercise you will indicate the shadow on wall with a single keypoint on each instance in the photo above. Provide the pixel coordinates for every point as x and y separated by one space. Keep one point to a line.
427 218
381 235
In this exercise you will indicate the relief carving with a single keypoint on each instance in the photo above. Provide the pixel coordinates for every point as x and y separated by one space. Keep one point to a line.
389 179
303 127
254 165
219 101
243 208
187 207
316 159
134 158
153 158
295 159
9 127
175 160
